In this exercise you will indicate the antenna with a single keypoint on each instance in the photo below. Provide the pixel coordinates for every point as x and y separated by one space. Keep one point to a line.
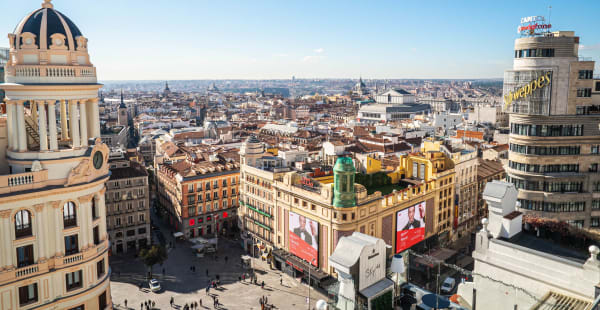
549 14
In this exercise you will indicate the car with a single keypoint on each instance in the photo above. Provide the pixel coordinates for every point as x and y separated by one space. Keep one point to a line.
448 285
154 285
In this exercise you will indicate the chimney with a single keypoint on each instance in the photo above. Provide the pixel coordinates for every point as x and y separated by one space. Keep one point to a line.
504 220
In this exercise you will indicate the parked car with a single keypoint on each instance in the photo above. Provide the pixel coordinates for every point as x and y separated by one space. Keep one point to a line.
448 285
154 285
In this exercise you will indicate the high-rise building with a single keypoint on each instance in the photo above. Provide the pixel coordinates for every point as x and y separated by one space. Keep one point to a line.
554 135
53 240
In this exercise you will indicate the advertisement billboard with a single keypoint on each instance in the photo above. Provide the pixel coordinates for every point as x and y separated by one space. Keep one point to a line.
410 226
527 91
304 238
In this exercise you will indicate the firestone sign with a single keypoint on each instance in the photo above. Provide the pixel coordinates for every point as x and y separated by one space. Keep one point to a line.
530 24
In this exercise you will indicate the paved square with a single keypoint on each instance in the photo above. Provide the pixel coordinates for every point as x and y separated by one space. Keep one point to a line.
186 286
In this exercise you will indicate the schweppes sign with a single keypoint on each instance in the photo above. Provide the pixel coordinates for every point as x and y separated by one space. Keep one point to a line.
528 89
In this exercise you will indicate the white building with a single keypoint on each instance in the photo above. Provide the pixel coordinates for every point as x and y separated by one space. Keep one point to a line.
515 270
447 121
392 105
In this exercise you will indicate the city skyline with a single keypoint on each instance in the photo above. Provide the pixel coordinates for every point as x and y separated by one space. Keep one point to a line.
197 41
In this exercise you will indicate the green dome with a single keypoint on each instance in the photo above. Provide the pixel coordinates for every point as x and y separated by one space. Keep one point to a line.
343 179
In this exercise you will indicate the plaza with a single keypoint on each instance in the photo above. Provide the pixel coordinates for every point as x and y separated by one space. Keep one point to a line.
186 286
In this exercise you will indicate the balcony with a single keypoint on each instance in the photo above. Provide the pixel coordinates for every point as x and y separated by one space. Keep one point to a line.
12 183
45 74
26 271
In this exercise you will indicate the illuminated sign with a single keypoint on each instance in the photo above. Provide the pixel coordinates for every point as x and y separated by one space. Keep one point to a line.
528 88
530 24
306 181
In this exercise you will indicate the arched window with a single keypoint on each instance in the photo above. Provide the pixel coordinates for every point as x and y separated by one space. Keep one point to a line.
23 224
69 214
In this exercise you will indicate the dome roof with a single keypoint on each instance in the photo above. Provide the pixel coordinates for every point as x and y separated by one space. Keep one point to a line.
46 22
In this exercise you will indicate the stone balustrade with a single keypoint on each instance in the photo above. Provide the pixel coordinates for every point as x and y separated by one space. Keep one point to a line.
11 183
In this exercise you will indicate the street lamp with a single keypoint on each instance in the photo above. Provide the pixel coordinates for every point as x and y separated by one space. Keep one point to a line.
309 267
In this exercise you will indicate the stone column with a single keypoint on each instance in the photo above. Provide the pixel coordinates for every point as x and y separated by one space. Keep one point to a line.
41 231
83 132
82 216
42 131
101 209
52 126
6 242
9 128
58 225
96 118
64 135
21 132
73 120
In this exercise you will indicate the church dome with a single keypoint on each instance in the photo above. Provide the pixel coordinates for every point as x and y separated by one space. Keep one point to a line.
47 28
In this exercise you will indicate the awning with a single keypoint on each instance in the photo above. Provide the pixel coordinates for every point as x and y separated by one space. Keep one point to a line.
177 234
377 288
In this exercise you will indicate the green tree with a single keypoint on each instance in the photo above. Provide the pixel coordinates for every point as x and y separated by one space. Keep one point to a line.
157 254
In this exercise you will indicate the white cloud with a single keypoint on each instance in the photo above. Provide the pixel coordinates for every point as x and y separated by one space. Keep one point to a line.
280 55
312 58
319 50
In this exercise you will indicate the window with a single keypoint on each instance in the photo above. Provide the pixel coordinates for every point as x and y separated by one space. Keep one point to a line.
595 204
71 245
102 301
96 233
117 221
594 168
22 224
100 270
191 211
141 218
131 233
191 200
73 280
208 197
141 231
224 193
69 214
207 187
129 220
216 184
586 74
25 256
94 211
216 195
595 149
597 88
595 222
584 92
28 294
80 307
224 182
233 192
190 188
216 205
200 198
224 204
344 217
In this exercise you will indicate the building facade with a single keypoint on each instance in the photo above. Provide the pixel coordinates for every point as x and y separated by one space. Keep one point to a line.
54 245
127 205
299 220
201 198
554 139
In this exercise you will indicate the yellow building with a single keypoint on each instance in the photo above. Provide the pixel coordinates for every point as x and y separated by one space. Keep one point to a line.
276 204
53 240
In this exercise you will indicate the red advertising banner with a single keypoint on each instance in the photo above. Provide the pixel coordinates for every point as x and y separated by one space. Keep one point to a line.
410 226
304 236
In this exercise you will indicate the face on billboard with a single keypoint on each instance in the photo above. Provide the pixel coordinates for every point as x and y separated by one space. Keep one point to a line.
304 238
410 226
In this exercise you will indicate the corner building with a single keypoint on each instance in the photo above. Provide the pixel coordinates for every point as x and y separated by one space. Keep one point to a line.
53 240
276 203
554 135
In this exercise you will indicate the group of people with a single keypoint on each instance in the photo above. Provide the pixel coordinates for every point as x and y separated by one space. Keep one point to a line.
147 305
191 305
264 303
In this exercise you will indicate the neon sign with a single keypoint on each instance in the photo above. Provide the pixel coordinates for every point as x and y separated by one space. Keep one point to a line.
528 89
308 182
532 23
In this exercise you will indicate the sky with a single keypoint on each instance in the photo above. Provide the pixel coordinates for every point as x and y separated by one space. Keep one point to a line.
227 39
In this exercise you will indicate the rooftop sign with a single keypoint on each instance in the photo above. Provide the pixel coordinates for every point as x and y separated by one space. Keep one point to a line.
530 24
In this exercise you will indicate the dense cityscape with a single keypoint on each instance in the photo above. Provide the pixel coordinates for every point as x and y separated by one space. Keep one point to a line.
321 193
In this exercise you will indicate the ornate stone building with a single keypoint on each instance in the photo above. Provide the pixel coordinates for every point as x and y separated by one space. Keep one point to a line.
53 245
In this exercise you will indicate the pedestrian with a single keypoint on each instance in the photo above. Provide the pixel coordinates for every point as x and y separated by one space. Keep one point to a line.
141 306
266 300
125 302
195 304
153 304
172 301
207 289
186 307
281 281
243 277
200 300
262 284
164 271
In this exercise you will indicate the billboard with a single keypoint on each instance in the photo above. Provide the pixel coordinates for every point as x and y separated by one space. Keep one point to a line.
304 238
410 226
527 91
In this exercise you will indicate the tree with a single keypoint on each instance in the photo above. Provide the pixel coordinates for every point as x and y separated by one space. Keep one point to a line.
157 254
